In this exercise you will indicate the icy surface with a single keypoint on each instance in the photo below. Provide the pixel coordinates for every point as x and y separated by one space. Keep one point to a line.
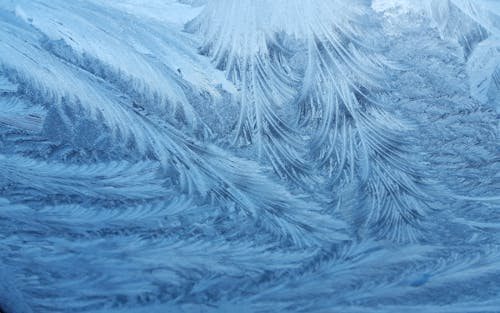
249 156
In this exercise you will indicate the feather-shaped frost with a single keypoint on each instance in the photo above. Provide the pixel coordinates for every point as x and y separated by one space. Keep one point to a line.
241 39
483 68
356 142
339 70
164 260
197 169
153 61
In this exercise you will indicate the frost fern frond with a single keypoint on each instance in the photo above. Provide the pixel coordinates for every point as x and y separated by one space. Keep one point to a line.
238 38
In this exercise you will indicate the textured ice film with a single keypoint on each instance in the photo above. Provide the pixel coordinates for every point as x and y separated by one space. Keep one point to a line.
249 156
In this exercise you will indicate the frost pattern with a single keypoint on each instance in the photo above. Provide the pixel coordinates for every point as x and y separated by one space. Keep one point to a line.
254 156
